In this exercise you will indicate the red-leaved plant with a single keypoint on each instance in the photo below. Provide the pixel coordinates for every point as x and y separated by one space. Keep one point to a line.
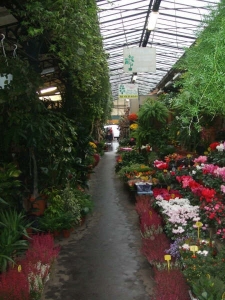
42 249
149 218
142 204
14 285
27 281
154 248
170 285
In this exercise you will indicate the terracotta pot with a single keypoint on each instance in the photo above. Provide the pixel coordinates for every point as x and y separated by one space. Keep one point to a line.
38 205
56 233
82 220
66 233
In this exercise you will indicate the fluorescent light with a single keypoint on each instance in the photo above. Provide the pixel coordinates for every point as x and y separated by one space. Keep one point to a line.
176 76
160 92
152 20
51 98
47 71
48 90
168 83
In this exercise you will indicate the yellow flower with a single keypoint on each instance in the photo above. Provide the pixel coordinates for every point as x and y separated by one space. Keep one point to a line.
133 126
92 145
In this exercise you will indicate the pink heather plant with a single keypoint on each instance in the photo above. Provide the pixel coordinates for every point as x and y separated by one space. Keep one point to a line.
154 249
142 205
42 249
14 285
35 266
170 285
149 218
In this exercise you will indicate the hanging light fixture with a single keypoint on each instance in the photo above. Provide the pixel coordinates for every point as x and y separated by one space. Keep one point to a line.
48 90
152 20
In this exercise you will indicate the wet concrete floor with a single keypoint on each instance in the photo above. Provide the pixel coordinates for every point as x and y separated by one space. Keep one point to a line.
101 260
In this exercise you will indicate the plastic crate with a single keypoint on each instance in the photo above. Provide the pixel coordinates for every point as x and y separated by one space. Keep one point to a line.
144 188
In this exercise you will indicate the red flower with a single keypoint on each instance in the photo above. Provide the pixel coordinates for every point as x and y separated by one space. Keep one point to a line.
132 117
208 194
160 164
212 215
214 145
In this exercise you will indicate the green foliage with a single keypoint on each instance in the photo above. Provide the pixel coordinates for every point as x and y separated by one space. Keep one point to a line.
152 118
210 288
9 183
70 32
65 208
129 158
51 223
201 98
217 158
12 227
152 112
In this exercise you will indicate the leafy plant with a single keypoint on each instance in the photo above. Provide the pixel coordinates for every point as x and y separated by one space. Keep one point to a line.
201 98
13 226
9 183
208 287
152 118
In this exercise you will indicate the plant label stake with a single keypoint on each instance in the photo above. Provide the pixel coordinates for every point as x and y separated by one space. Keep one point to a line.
199 225
194 249
168 258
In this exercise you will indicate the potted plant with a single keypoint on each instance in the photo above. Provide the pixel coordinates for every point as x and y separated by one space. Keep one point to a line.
13 227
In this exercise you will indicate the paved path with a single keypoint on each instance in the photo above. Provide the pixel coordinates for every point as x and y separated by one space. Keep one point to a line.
102 260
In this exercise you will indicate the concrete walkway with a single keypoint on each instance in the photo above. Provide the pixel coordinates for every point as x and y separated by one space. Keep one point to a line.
102 260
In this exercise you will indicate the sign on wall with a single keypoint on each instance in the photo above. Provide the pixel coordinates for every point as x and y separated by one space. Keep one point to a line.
142 59
129 91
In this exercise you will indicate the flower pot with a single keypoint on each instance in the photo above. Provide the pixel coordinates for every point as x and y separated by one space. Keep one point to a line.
56 233
38 205
82 220
66 233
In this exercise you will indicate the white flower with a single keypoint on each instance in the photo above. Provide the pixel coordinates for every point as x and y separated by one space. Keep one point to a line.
193 172
204 252
185 247
220 148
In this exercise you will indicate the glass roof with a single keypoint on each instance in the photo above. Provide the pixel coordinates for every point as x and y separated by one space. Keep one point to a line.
123 24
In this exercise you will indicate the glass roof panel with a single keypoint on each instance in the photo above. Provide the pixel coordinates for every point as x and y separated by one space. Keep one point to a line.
123 24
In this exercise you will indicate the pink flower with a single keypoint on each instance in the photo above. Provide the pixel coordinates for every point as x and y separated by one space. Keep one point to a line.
200 159
160 164
222 188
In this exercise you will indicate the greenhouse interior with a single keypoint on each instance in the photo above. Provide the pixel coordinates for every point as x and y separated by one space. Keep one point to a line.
112 146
